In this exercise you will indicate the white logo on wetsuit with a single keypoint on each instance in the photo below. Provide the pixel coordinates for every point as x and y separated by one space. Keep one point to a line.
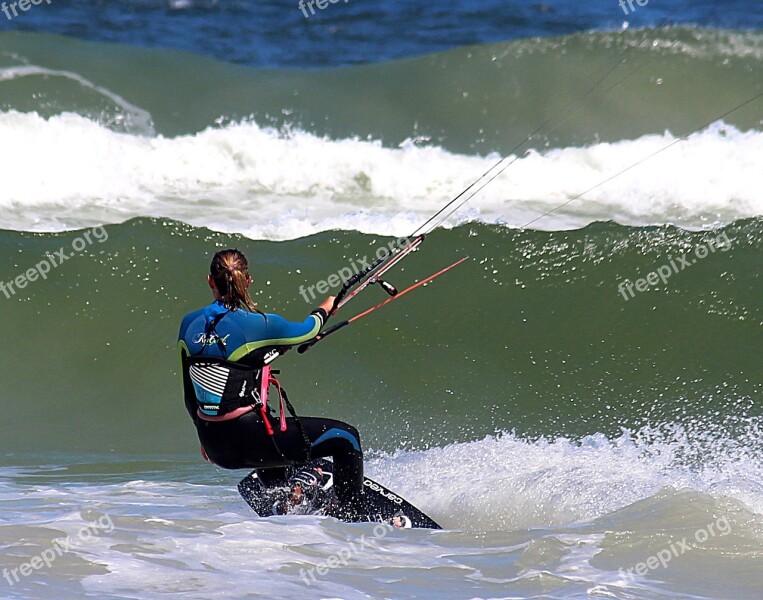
271 356
243 390
209 340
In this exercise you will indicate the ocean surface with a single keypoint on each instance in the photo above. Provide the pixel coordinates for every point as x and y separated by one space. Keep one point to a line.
579 404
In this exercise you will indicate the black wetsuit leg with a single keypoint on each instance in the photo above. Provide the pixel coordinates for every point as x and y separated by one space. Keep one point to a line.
243 443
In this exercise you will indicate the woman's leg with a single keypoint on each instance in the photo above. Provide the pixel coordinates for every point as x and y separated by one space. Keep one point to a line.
240 443
329 437
243 443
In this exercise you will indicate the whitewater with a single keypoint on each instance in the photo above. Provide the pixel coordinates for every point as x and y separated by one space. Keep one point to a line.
68 172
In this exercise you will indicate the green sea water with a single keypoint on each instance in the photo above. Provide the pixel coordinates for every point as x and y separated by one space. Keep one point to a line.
531 334
472 99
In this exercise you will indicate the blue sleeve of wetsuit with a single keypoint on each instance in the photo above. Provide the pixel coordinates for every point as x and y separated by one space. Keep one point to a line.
274 331
276 327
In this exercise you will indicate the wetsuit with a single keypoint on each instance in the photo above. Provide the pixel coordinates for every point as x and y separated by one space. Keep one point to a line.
242 442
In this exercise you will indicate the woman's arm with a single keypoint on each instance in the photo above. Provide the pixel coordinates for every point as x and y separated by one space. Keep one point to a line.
280 332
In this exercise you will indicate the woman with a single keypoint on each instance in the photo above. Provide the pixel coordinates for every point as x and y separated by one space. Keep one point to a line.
225 348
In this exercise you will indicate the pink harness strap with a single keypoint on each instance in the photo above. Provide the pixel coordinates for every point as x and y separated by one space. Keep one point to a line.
234 414
264 385
267 380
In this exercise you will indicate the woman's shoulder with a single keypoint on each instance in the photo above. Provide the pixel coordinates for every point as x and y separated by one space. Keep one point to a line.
197 313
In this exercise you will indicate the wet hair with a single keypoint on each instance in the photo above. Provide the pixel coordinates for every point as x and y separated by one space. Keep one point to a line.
230 272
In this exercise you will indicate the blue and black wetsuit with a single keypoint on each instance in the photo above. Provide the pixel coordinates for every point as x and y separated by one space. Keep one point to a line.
247 338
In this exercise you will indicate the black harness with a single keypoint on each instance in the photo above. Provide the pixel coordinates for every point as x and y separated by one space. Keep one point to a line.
222 386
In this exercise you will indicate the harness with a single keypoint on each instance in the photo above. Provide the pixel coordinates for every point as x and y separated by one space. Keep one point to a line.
283 399
222 386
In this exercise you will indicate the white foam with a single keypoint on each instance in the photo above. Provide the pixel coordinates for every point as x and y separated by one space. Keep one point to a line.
135 118
67 172
533 502
507 483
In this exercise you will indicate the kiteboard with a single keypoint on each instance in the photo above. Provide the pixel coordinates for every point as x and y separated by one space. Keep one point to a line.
309 490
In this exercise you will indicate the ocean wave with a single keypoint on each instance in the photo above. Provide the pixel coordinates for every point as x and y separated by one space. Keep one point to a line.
67 171
516 482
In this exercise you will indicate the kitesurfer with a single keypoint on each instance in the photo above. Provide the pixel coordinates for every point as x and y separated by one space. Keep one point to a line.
225 349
